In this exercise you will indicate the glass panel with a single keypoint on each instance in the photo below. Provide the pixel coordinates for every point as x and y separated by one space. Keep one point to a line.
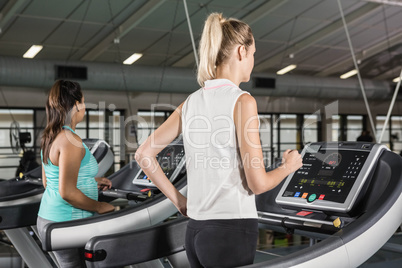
380 121
265 137
148 122
335 127
310 128
275 127
96 134
287 132
396 123
265 130
116 138
9 161
288 129
354 127
96 119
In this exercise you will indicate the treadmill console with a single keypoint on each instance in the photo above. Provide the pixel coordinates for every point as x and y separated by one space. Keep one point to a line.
171 159
331 178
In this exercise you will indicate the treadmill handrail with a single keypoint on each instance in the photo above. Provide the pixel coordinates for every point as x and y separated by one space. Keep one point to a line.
98 225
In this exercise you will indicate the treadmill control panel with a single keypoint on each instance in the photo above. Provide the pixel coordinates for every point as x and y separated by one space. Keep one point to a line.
171 159
332 176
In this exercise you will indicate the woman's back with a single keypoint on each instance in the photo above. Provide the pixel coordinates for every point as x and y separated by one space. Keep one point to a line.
54 207
217 186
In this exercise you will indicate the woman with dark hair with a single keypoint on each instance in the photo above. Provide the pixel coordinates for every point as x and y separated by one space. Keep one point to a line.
68 167
225 167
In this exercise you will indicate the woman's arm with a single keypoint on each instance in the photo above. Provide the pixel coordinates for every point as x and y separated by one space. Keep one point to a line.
146 158
43 176
103 183
69 164
247 131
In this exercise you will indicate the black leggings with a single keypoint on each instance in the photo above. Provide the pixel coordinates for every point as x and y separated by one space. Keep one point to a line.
221 243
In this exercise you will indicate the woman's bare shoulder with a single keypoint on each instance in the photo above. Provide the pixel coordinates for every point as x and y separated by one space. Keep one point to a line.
68 140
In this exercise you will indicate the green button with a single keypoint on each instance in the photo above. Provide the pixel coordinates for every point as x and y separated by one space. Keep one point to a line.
312 197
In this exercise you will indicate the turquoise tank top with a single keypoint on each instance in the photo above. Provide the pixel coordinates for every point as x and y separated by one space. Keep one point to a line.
53 207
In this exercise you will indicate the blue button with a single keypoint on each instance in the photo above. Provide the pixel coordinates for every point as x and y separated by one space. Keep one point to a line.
297 194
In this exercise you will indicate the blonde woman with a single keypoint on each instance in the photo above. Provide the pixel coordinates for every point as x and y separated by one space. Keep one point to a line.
224 161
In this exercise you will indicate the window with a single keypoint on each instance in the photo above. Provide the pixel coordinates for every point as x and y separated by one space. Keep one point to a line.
354 127
379 127
266 138
287 138
310 128
9 159
336 131
96 125
396 133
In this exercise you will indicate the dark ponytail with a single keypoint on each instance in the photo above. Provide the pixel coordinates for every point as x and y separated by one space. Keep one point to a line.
62 98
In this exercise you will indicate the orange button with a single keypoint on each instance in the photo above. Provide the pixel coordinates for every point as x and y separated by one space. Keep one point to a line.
305 195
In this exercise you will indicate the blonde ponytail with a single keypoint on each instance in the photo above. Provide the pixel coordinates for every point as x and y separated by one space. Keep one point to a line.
210 43
218 37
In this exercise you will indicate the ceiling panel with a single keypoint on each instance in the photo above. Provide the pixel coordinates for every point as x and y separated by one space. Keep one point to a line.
13 49
77 29
138 40
318 57
29 31
102 11
73 34
162 18
171 42
59 53
58 9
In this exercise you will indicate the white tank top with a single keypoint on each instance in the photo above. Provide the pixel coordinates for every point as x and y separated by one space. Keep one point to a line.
217 186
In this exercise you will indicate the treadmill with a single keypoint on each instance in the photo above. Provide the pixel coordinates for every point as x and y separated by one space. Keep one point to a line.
347 194
20 200
147 205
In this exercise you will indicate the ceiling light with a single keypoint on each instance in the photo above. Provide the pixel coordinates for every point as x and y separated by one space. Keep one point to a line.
386 2
132 58
349 74
396 80
32 51
286 69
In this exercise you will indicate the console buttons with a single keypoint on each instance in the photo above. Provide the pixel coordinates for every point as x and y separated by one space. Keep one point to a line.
304 195
312 197
321 197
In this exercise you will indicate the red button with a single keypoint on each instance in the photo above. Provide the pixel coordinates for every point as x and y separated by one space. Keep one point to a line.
304 213
321 196
145 190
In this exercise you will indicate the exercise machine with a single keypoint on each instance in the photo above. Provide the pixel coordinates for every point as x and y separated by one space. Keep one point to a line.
20 200
347 194
148 205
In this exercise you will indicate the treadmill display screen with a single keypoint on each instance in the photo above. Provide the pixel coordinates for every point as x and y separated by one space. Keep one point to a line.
326 175
170 159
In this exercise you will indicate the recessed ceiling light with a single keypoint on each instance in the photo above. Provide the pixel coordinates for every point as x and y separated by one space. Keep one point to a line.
133 58
349 74
286 69
32 51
